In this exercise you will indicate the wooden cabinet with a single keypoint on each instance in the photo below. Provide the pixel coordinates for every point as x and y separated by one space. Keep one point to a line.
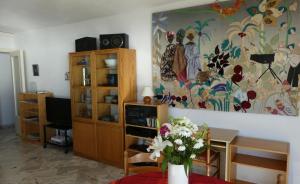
110 144
32 108
98 91
141 124
84 137
275 156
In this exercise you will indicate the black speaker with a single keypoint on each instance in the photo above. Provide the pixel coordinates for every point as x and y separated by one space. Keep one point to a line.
86 44
110 41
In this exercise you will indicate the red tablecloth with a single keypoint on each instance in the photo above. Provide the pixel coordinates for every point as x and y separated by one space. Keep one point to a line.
158 178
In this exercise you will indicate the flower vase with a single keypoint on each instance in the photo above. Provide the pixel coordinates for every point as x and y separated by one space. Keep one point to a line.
176 174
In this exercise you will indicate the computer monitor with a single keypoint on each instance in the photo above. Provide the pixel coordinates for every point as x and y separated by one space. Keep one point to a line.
58 111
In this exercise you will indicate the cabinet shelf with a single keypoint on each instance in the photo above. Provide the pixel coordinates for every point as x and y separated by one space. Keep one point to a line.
134 136
33 102
134 150
32 111
267 163
108 87
261 145
106 68
103 103
81 87
35 122
141 126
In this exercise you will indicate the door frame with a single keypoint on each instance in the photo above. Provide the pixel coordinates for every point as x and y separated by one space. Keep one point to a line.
20 55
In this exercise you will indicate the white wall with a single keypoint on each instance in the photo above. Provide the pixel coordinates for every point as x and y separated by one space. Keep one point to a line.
49 48
7 107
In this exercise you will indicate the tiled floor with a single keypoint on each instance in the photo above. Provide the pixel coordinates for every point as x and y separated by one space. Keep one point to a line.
24 163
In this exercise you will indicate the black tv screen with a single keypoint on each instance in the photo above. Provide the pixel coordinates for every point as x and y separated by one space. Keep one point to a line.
58 111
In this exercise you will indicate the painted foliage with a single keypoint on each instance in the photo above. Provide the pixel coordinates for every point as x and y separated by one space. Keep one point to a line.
243 59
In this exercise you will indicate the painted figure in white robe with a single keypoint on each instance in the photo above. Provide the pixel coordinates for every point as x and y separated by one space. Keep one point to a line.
193 58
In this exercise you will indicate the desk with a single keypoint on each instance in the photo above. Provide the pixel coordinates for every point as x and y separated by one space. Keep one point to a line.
159 178
221 138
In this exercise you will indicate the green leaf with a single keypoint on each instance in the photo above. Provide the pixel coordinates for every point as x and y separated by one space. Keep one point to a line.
186 168
200 91
212 92
253 10
159 90
221 105
275 39
283 9
228 86
184 103
236 100
291 46
225 44
214 103
181 84
193 84
236 52
292 30
164 165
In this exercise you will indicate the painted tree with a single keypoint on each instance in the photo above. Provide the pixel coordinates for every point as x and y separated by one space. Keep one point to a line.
199 28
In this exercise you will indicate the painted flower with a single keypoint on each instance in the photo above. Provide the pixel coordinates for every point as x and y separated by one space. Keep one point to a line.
267 12
239 94
202 105
241 29
293 6
181 148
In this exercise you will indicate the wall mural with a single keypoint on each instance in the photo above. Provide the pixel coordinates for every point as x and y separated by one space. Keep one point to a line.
240 56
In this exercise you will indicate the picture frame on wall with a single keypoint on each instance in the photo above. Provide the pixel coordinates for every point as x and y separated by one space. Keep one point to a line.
236 59
35 69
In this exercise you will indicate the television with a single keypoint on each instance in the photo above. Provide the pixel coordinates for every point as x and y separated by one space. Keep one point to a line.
58 111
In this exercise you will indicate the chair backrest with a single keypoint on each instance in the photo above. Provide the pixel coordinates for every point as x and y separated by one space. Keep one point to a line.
207 139
205 157
129 162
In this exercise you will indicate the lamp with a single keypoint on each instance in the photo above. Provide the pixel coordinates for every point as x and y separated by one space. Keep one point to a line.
147 94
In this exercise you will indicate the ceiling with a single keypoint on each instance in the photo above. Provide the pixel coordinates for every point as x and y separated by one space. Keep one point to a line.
21 15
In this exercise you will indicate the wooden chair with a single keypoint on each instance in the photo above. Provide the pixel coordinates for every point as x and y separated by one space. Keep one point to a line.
131 163
209 159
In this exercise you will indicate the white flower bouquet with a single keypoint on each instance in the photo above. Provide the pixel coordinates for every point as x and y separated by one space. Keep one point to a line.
179 141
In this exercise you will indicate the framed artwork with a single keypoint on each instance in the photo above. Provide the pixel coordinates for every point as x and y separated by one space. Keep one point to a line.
35 70
240 56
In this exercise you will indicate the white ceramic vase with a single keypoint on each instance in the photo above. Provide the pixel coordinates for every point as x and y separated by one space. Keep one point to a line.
176 174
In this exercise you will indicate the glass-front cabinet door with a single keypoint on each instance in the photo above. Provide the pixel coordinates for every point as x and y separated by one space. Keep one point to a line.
107 87
81 85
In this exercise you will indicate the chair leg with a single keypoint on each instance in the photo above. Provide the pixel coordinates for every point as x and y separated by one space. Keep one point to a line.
207 169
126 163
219 165
66 142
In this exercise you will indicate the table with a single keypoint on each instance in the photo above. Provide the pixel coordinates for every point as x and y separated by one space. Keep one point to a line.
221 138
159 178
